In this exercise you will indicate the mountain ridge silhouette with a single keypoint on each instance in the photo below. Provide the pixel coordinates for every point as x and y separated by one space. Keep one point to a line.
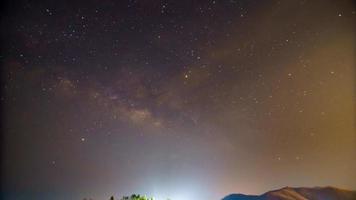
299 193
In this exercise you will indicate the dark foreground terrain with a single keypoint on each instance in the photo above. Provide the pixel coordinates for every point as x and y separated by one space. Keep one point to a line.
289 193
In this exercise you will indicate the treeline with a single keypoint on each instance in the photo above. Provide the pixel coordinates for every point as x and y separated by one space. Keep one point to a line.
132 197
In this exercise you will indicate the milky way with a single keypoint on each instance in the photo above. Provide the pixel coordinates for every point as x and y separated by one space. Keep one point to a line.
180 99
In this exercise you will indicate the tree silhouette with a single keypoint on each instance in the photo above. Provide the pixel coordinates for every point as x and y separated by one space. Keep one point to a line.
136 197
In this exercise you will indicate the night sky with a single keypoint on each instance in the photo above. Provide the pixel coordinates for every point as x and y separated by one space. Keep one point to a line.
180 99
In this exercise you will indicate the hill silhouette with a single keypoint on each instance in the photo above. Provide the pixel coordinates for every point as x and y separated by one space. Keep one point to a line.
302 193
